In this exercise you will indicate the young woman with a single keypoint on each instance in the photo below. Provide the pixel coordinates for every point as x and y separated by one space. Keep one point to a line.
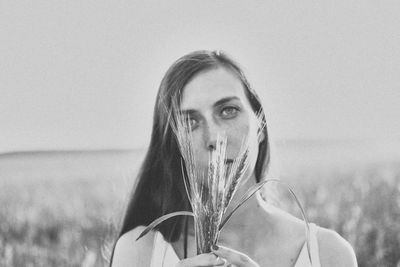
213 91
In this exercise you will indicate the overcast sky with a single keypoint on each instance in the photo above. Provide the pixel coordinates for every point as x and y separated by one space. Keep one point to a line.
84 74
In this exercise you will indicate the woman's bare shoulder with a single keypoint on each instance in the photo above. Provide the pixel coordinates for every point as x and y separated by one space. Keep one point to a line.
334 250
288 222
131 252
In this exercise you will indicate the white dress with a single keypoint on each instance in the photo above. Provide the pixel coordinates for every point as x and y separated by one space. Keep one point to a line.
164 254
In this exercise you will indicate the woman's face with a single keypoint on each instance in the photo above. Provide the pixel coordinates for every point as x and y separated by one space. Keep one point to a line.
215 103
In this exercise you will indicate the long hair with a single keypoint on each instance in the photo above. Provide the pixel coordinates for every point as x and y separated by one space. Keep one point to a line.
159 187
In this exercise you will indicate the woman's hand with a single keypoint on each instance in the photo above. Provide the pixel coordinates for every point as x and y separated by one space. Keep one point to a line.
208 259
234 257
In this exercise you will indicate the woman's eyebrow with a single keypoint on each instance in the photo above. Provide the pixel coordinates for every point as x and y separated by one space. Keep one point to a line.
188 112
225 99
216 104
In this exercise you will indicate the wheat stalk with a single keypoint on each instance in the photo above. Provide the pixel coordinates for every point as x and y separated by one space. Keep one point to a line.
210 193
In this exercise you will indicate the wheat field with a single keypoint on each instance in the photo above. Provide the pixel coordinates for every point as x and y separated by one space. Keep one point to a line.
73 220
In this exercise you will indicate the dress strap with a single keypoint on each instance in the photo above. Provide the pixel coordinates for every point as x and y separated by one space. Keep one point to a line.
314 250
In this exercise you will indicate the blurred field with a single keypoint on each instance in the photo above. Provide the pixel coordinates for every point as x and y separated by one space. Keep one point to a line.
59 215
361 204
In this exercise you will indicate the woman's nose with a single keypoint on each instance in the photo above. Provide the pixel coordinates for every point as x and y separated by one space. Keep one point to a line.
211 133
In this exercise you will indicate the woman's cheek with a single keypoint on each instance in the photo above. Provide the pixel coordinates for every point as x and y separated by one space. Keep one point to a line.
237 134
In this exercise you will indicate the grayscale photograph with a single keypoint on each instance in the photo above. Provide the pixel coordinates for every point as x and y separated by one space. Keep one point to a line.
199 133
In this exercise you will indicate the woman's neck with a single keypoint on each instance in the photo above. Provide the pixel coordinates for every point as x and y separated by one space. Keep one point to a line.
252 216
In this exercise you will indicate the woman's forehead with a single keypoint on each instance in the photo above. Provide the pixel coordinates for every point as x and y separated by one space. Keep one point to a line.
208 87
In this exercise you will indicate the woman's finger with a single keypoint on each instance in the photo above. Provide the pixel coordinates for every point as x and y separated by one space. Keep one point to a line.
235 257
201 260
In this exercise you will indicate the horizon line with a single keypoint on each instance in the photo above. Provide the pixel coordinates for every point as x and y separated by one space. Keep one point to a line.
133 149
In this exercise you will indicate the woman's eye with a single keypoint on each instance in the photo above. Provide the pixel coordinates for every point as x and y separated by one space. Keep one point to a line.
192 123
229 112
